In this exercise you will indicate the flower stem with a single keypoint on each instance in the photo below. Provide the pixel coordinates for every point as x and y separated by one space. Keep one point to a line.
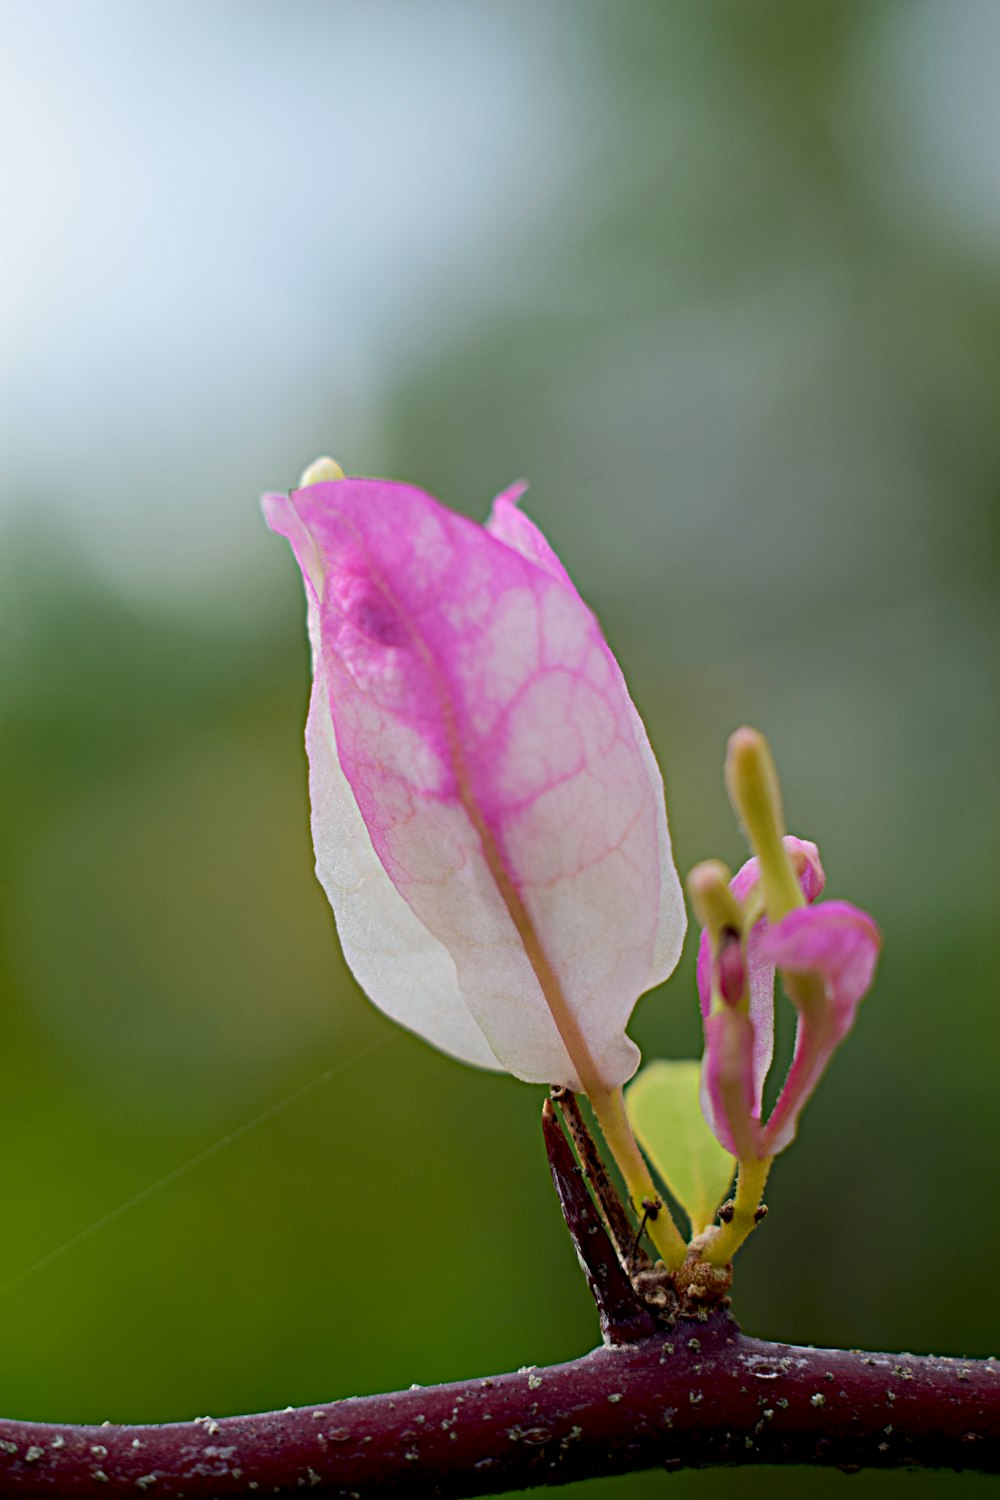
750 1184
609 1109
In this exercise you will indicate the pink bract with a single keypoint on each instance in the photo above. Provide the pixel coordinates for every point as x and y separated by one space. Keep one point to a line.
760 973
835 944
487 815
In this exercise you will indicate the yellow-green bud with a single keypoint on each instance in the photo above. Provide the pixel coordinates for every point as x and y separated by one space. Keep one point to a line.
752 782
715 906
321 471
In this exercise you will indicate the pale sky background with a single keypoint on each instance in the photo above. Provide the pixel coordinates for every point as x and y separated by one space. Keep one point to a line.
187 254
192 263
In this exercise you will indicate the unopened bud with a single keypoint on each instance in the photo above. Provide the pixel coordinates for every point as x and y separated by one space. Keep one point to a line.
752 782
321 471
715 906
730 970
721 915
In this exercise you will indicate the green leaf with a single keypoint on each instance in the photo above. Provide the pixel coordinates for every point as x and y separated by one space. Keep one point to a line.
666 1116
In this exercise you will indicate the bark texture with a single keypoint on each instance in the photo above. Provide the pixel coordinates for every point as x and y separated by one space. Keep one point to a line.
663 1390
701 1395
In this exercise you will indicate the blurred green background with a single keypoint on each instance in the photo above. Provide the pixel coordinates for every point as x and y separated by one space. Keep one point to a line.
722 278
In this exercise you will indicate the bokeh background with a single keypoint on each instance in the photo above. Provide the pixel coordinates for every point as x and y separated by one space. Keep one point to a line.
722 278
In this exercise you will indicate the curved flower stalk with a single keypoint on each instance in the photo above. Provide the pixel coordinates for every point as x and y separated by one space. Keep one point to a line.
488 817
760 922
735 979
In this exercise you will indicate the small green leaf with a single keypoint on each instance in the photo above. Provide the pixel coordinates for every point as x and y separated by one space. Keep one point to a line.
666 1116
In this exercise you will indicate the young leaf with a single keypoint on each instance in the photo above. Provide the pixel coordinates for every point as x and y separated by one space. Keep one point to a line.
665 1112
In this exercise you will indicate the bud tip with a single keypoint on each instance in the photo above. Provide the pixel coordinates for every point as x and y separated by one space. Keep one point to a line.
320 471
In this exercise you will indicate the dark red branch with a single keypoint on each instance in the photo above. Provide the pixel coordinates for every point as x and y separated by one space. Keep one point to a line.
699 1396
696 1395
619 1228
623 1317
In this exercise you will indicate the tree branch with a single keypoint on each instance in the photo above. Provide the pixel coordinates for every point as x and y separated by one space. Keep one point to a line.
700 1396
696 1394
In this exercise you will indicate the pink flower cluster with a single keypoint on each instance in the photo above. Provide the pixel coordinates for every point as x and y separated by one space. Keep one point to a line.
827 955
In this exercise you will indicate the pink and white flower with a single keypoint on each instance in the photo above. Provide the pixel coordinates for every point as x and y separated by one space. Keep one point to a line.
488 817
